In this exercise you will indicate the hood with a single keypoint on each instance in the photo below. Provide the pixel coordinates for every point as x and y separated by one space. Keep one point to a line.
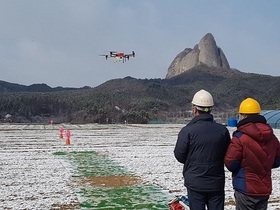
255 126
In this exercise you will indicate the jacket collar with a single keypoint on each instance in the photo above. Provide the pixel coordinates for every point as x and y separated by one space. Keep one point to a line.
202 117
256 118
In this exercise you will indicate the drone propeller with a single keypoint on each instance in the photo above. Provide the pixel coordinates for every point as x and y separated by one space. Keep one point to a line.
106 56
112 52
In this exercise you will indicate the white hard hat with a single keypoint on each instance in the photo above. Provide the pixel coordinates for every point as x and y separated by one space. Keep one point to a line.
203 98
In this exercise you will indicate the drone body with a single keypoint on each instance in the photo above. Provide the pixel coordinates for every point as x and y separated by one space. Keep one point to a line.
119 56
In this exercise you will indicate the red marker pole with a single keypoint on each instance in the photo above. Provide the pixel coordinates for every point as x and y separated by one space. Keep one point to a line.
61 129
68 137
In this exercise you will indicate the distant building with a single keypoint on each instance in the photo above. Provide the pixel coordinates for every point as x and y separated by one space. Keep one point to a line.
8 118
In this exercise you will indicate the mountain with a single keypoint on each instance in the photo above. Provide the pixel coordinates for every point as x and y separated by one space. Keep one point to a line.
205 53
230 87
140 100
13 87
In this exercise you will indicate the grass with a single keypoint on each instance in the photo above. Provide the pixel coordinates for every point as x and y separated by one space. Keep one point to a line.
103 184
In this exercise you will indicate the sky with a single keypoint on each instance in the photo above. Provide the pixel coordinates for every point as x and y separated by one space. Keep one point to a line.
59 42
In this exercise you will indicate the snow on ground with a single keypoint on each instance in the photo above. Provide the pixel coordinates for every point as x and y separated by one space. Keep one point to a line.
31 177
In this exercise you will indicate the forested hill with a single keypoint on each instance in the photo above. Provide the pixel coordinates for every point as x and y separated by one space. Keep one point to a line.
138 100
13 87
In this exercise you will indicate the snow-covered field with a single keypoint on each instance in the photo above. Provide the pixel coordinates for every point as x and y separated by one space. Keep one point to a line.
31 177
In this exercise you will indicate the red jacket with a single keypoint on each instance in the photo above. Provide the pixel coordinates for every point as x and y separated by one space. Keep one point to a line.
254 150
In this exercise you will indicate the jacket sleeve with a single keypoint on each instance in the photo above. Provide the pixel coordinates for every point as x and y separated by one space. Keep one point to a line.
227 138
234 154
181 147
277 159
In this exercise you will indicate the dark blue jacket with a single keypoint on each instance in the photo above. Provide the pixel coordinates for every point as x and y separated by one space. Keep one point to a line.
201 146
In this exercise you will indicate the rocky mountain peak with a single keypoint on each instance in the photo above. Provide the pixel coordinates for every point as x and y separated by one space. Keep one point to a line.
206 52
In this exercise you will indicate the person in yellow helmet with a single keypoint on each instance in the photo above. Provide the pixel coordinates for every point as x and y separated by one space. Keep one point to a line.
201 146
254 150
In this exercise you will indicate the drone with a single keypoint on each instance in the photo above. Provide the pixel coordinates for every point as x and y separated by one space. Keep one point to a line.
119 56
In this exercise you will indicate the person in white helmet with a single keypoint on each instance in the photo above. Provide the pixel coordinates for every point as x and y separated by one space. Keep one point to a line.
201 146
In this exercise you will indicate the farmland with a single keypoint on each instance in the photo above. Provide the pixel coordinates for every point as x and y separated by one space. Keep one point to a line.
104 167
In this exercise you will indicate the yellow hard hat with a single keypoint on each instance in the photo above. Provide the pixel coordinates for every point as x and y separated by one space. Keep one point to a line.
249 106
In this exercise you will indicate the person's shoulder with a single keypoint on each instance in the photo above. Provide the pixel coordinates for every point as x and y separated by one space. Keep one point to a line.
237 134
220 125
183 131
187 128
